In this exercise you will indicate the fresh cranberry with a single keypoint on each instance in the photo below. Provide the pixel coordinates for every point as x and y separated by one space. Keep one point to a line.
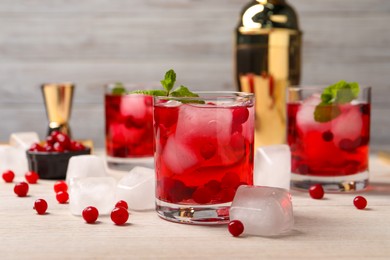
316 191
202 195
55 133
64 140
90 214
230 180
62 197
48 147
236 228
58 147
35 147
227 194
214 186
208 150
122 204
327 136
360 202
51 140
40 205
76 146
166 116
31 177
21 189
8 176
60 186
119 215
240 115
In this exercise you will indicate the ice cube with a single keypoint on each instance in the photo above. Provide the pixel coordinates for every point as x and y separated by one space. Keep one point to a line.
12 158
273 166
348 125
305 115
134 105
98 192
177 156
23 140
83 166
137 188
264 211
198 122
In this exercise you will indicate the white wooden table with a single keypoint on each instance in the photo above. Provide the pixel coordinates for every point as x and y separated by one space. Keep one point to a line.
328 228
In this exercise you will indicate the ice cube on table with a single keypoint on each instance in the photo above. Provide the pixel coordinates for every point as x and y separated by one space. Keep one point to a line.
98 192
137 188
23 140
273 166
264 211
82 166
12 158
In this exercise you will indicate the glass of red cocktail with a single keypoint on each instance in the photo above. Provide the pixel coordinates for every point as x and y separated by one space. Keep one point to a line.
128 127
329 137
203 152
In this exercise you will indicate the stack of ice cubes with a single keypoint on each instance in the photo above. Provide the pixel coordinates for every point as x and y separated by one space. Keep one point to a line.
90 185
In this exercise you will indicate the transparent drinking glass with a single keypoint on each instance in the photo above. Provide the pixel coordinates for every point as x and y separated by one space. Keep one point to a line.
128 126
203 152
329 143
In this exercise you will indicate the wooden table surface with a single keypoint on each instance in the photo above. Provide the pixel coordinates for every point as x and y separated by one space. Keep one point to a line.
327 228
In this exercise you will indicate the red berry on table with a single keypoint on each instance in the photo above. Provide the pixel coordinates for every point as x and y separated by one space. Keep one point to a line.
40 205
60 186
8 176
62 197
90 214
119 215
316 191
236 228
21 189
31 177
122 204
360 202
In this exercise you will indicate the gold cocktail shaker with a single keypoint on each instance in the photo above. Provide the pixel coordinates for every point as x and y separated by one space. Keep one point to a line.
267 61
58 99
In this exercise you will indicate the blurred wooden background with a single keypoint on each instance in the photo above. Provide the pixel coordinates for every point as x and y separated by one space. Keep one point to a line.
92 42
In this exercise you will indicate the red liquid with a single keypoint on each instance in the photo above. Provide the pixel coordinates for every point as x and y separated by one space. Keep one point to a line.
335 148
129 126
201 156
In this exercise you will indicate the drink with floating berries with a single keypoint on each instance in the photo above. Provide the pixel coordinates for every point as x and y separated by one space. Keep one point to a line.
128 128
203 153
329 136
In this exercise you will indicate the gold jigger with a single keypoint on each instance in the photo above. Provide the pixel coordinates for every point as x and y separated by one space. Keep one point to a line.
58 103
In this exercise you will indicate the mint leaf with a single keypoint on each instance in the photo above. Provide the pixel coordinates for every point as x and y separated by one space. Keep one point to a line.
154 92
339 93
118 89
169 80
183 91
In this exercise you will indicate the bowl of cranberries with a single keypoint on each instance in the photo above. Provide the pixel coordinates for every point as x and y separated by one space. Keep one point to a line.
50 158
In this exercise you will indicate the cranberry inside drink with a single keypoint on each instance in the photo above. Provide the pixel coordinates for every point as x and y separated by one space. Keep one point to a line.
203 151
329 149
129 125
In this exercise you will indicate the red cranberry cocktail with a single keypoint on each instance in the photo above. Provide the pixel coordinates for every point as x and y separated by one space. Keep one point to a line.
204 151
329 142
129 129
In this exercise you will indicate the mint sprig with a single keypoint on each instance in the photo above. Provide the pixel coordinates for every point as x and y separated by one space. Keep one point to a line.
118 89
339 93
168 83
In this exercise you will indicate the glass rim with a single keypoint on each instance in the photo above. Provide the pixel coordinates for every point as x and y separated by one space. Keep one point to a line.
219 94
319 87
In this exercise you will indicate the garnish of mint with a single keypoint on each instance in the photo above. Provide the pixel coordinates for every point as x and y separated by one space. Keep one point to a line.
118 89
339 93
168 83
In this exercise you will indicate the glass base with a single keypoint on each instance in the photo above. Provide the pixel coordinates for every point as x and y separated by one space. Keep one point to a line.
355 182
126 164
194 214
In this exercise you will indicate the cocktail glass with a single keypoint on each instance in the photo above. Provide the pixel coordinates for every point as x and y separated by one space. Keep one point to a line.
335 152
203 153
128 128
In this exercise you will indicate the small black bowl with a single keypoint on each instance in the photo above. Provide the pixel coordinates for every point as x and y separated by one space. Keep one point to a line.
51 165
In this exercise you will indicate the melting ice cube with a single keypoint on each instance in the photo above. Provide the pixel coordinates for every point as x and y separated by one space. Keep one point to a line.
12 158
137 188
134 105
83 166
348 125
273 166
264 211
98 192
